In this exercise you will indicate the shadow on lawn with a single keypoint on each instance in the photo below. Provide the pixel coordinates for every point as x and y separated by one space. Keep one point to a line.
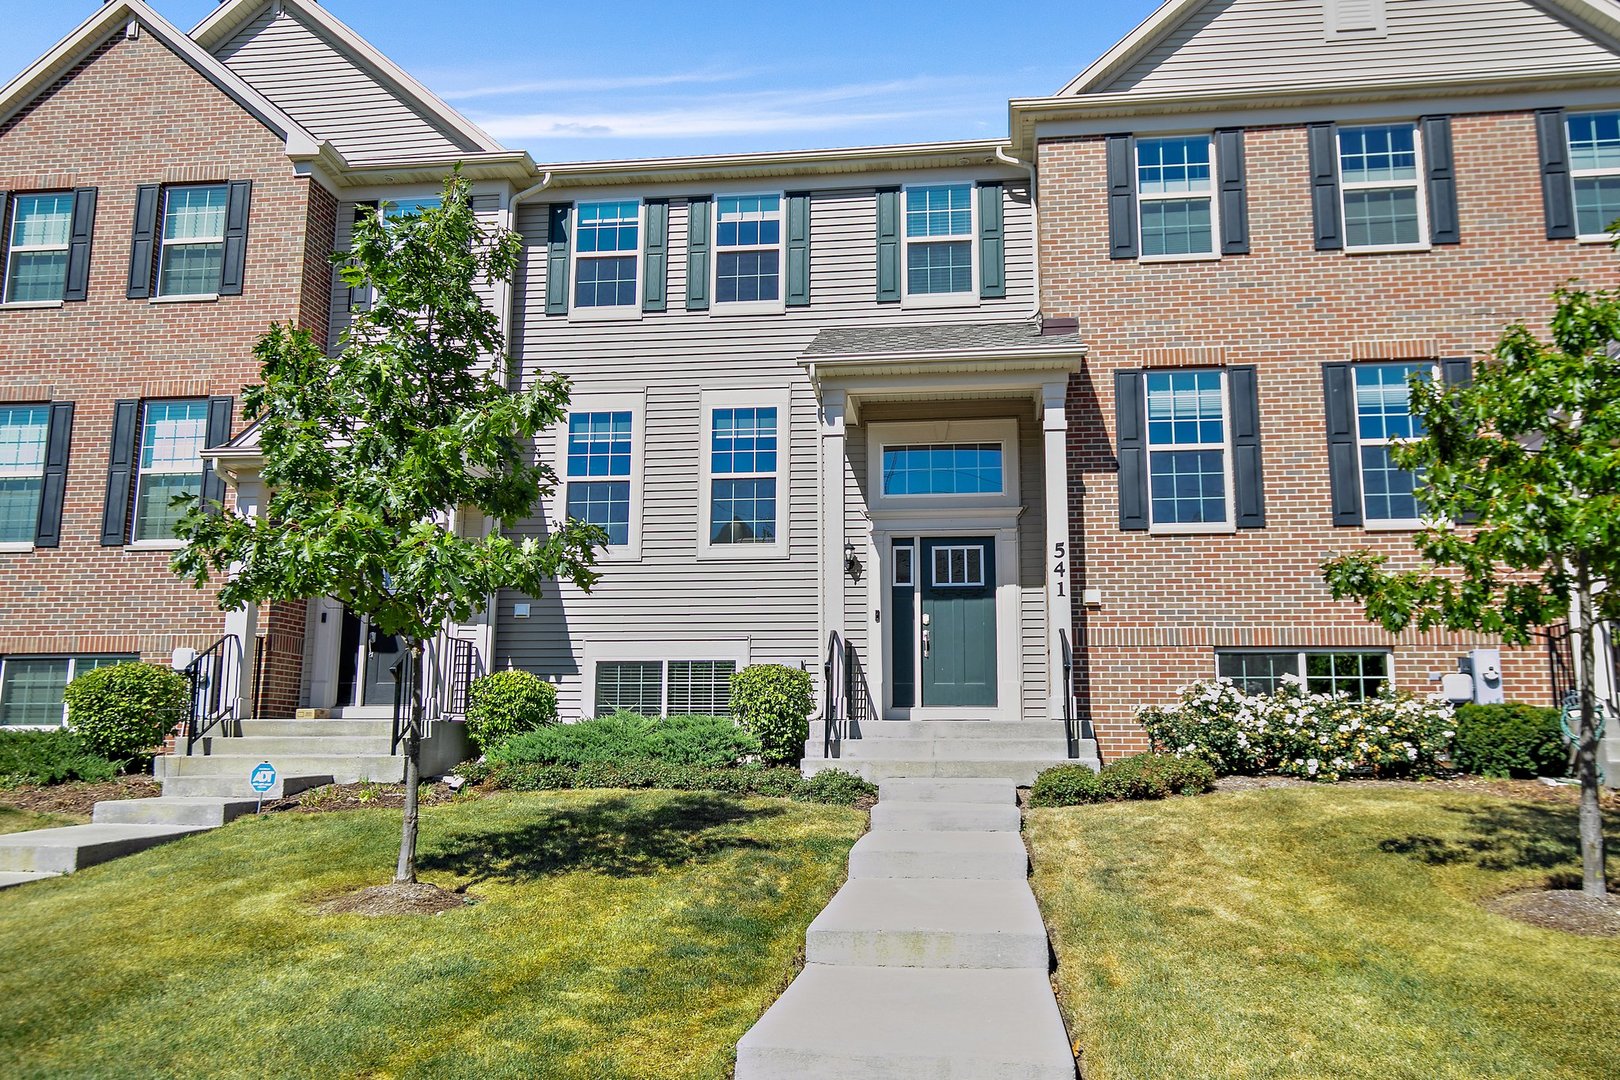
618 837
1509 836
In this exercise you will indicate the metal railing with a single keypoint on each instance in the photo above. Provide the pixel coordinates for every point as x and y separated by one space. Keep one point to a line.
1071 728
441 682
215 675
845 707
1561 661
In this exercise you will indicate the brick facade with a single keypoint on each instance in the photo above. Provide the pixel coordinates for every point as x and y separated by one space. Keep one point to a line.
1167 601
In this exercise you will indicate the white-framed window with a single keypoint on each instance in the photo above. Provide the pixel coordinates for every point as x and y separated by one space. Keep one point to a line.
748 235
600 452
1380 185
23 431
743 494
1175 192
1594 169
1189 450
193 239
31 687
399 208
37 260
904 570
939 231
168 464
952 468
949 464
1361 673
607 256
1384 417
661 678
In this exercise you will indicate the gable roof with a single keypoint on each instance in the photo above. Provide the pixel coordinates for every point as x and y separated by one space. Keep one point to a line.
1228 44
118 17
338 85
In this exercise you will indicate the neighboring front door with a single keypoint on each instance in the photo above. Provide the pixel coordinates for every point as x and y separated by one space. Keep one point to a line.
366 663
957 633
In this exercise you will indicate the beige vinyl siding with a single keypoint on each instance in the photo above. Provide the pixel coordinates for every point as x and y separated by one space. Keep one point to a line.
330 95
670 595
1251 44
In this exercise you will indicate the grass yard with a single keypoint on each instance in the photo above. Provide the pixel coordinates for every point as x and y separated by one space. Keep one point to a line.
618 934
13 820
1322 932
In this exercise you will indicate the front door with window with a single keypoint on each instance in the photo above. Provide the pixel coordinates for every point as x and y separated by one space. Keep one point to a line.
943 622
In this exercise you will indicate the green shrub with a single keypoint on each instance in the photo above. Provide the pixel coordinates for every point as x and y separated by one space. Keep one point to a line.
49 757
715 742
1066 785
838 788
126 710
507 703
646 773
710 741
774 703
1140 776
1510 740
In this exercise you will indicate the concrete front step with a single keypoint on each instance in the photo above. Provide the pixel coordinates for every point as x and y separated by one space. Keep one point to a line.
172 810
8 878
341 768
75 847
952 749
944 817
961 729
273 746
856 1023
928 789
931 923
235 786
1021 772
978 856
317 729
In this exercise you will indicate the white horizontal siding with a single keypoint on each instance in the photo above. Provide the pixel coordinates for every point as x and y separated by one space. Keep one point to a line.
1242 44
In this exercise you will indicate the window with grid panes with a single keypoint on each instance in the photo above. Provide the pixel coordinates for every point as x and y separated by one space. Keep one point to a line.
23 431
747 248
743 475
939 239
699 686
31 687
598 471
1379 181
943 469
193 240
37 260
1175 194
1358 674
1187 448
1594 169
630 685
169 464
607 240
1383 417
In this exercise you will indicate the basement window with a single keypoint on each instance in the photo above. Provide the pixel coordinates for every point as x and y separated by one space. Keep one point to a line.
664 687
31 687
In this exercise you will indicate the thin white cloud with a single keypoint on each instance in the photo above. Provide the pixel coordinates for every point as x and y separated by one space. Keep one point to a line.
599 85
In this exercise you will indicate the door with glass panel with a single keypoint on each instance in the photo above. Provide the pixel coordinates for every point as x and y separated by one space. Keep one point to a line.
943 622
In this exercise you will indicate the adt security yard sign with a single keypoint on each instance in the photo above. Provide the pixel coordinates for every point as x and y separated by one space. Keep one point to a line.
262 779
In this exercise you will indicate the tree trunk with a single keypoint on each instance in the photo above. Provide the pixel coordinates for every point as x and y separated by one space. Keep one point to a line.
405 873
1586 747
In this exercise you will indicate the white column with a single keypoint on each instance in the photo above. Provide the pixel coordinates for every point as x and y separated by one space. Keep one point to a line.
1059 604
243 623
831 411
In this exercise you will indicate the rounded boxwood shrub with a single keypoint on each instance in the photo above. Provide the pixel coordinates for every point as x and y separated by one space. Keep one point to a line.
774 703
127 710
1510 740
507 703
1066 785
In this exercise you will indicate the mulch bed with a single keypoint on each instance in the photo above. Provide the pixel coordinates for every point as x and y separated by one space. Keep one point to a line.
77 799
332 797
417 898
1561 909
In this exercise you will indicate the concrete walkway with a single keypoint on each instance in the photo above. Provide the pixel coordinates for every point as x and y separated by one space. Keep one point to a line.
931 961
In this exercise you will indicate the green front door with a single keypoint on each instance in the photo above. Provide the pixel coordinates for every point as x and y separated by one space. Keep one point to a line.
957 579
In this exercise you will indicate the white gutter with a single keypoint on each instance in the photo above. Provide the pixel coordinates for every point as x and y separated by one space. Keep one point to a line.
1034 223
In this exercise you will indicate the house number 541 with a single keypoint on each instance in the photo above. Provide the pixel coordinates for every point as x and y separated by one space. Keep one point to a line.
1058 570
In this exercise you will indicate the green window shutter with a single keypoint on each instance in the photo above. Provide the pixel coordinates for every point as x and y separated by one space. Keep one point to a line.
218 433
233 267
697 253
120 473
83 228
1234 194
992 243
655 256
1557 190
888 246
1441 180
58 437
1130 427
143 244
1248 483
1344 467
798 249
1325 214
557 235
1122 199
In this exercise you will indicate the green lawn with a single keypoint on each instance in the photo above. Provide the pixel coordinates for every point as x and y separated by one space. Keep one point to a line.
13 820
1321 932
619 934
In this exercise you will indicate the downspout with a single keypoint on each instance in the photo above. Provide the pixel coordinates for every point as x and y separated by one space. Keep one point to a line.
1034 224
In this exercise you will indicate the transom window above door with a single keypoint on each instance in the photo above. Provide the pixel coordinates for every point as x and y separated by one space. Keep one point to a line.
943 469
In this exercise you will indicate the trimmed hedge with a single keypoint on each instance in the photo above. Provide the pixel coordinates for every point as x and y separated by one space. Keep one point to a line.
830 786
712 742
1510 740
774 702
49 757
507 703
126 710
1140 776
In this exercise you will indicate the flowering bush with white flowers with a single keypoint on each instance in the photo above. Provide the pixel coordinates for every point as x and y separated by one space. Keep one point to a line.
1316 736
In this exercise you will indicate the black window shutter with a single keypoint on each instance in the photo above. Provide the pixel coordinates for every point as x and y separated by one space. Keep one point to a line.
1325 212
992 243
218 433
233 267
1234 189
697 252
1344 469
1442 180
83 228
888 245
1122 198
1248 481
1557 190
120 473
1457 371
1130 425
143 246
5 240
798 249
557 258
58 438
655 256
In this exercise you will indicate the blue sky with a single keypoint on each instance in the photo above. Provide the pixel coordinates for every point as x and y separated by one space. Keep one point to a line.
578 81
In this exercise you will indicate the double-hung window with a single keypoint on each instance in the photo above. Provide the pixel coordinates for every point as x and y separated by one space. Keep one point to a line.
37 267
1383 417
607 240
31 687
409 207
169 464
748 250
1380 181
600 473
1594 166
22 470
1360 674
1176 193
193 240
745 442
939 242
1189 466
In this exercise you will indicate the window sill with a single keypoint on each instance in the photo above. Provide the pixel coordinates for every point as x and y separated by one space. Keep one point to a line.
1393 526
30 305
187 298
604 314
154 545
1200 529
1200 256
16 547
930 301
740 307
1387 249
1590 238
740 553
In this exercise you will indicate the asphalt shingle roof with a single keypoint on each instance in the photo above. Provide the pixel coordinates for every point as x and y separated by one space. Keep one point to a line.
947 337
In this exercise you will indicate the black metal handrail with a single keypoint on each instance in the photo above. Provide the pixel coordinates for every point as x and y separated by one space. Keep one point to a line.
215 675
1070 729
1560 661
845 708
441 682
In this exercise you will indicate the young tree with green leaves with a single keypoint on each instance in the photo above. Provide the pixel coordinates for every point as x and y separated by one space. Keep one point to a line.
370 455
1528 455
